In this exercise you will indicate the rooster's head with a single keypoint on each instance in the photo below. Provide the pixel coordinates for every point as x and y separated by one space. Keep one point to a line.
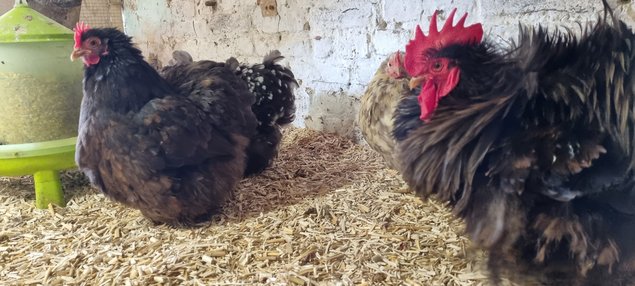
425 63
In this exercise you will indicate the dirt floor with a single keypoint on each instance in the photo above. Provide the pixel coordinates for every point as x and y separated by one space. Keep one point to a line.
326 213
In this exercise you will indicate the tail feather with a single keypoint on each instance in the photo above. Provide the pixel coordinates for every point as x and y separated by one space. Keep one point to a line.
232 64
180 58
273 86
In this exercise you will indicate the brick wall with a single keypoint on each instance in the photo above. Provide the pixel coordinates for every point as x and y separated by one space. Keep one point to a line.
333 46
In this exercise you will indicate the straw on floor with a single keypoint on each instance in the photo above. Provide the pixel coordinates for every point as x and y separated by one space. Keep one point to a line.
326 213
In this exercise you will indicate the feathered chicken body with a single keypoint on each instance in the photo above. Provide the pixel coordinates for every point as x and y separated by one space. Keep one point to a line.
533 147
172 147
375 117
273 87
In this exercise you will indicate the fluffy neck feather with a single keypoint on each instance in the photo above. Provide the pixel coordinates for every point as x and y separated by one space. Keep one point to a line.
122 81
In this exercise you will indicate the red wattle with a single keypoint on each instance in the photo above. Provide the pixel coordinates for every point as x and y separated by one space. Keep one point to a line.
428 100
90 60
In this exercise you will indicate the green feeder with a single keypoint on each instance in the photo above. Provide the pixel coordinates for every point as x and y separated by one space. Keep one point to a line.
40 96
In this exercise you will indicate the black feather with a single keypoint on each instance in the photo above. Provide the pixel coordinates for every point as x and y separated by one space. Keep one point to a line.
175 148
273 87
534 149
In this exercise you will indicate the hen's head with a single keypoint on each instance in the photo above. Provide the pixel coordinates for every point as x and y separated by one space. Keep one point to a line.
426 65
92 45
394 66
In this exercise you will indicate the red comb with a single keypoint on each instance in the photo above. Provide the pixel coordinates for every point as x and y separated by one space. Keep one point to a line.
80 28
449 35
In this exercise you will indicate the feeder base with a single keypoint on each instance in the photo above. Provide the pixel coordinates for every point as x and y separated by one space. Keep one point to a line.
43 160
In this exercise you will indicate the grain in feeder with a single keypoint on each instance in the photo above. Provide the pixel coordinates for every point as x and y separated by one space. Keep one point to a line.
40 91
41 88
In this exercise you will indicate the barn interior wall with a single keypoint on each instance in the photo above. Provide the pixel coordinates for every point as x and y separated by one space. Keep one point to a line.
333 46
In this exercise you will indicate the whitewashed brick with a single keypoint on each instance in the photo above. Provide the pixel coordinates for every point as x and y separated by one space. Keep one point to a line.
333 46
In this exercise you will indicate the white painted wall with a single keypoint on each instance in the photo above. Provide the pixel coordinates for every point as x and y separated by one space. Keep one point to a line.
333 46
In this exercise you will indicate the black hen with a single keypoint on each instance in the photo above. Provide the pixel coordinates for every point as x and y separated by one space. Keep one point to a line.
173 150
533 147
273 87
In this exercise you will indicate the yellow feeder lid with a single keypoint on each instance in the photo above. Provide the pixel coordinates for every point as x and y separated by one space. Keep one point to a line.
23 24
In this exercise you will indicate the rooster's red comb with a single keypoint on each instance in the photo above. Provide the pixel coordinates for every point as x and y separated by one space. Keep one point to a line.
80 28
449 35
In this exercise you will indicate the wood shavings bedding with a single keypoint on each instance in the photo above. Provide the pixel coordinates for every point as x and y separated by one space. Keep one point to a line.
327 213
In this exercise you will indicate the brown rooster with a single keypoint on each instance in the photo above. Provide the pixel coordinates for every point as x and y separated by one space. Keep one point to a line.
375 117
533 146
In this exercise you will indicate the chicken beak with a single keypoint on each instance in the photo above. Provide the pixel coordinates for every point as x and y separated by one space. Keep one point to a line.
78 53
416 81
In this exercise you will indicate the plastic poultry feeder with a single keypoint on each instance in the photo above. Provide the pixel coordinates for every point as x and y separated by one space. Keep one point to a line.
40 91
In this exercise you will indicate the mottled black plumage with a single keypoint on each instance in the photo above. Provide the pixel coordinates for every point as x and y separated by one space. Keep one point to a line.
272 87
173 150
534 149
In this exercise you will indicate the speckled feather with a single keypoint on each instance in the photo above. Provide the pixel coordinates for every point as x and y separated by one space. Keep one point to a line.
534 149
273 86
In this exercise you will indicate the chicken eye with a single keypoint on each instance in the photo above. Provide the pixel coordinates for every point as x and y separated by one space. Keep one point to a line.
93 42
437 66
